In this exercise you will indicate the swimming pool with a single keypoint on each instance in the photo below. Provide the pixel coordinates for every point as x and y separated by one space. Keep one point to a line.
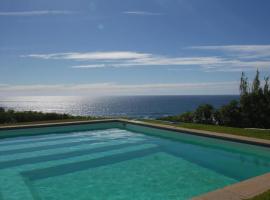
117 160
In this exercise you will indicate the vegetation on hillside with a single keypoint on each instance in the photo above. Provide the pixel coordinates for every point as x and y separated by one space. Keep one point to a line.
252 110
11 116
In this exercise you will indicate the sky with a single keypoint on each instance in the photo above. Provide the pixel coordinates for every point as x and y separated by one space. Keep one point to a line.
128 47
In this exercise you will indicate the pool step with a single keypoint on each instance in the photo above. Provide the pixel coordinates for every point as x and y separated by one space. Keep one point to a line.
13 187
63 169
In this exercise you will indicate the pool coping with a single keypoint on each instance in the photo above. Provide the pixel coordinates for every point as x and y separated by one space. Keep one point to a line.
239 191
224 136
52 124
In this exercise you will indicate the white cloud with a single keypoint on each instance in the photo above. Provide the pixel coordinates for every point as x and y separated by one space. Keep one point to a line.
113 55
141 13
36 12
162 60
152 60
137 59
89 66
121 89
127 59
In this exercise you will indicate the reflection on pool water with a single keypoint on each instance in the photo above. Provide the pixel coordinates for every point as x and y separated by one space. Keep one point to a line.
110 161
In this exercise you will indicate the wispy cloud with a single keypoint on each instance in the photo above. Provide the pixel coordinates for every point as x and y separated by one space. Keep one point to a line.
240 57
137 59
153 60
89 66
84 56
239 48
128 59
245 51
36 12
142 13
120 89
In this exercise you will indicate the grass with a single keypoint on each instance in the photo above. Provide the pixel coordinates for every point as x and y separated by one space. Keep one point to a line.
263 196
254 133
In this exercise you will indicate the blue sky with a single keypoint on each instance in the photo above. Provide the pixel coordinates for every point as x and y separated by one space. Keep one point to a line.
96 47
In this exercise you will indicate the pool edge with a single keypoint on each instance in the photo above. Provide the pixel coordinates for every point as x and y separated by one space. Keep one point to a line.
224 136
52 124
240 191
243 190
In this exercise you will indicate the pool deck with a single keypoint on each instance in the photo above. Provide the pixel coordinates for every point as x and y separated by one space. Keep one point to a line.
239 191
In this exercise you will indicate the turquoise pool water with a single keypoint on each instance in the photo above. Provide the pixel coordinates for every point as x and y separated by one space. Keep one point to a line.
120 161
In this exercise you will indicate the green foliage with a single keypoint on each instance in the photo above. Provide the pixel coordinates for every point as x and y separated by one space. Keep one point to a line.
10 116
256 83
263 196
244 88
255 105
185 117
253 109
204 114
266 89
230 114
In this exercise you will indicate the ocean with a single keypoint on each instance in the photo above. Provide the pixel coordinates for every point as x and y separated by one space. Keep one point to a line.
128 106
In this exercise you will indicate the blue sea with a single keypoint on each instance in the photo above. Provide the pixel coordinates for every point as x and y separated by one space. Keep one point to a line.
129 106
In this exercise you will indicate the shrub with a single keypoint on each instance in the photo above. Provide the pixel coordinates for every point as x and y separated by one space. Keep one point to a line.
204 114
253 109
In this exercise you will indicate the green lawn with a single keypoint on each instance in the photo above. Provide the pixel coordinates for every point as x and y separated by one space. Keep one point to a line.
262 134
263 196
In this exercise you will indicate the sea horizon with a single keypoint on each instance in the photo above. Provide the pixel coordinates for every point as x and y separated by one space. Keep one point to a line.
134 106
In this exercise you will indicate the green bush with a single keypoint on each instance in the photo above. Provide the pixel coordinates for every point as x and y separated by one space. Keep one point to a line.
253 109
230 114
204 114
10 116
